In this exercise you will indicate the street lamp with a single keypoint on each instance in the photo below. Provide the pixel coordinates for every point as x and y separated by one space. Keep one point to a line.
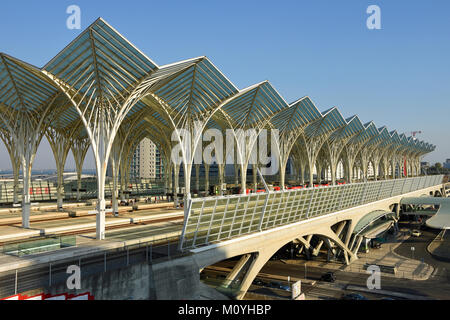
412 251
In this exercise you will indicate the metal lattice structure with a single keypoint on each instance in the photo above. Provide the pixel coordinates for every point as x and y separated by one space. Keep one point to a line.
103 93
212 220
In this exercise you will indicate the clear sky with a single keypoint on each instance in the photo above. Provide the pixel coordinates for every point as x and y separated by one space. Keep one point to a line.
398 76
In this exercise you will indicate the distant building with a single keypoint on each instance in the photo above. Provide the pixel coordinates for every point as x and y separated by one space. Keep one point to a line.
447 164
424 166
146 162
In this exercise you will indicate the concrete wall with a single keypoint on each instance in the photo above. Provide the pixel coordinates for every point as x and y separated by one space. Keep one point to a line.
131 283
177 279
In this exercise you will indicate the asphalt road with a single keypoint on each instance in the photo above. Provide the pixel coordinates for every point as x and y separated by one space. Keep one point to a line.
420 244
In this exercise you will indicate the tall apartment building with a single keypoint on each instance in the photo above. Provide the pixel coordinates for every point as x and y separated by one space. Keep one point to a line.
146 162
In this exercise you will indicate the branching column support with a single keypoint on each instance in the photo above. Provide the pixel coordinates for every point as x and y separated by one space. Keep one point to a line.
364 155
60 142
15 161
27 135
376 159
79 149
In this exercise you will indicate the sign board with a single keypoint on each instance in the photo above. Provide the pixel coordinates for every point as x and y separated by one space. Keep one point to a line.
296 290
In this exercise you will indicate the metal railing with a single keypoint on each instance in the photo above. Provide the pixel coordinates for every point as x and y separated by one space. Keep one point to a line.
217 219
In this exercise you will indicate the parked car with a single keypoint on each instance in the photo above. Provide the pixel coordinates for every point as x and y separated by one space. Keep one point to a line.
376 245
328 277
416 233
259 282
285 287
353 296
277 285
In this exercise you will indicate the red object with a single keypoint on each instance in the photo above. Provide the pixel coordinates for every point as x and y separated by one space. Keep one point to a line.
405 172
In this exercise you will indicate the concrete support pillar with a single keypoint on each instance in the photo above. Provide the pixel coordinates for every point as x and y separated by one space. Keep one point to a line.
358 244
306 245
316 250
397 211
233 275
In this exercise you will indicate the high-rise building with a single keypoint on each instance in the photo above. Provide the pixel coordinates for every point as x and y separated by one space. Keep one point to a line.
146 162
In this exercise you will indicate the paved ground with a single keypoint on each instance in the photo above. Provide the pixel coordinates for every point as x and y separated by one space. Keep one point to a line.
49 222
406 268
421 253
440 248
420 277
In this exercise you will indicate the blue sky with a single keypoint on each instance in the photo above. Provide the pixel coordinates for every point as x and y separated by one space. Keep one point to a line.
398 76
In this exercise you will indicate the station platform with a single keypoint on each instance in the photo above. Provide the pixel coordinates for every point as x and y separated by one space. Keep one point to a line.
81 220
87 246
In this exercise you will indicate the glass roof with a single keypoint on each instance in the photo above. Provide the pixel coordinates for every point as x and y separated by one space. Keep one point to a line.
100 67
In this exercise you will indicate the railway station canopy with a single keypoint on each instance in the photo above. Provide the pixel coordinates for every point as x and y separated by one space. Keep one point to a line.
101 91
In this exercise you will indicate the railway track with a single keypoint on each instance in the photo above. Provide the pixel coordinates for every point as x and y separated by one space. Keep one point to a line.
93 229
